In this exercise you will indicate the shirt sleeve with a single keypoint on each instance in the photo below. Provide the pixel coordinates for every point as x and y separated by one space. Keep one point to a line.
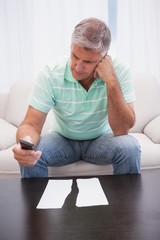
125 79
42 97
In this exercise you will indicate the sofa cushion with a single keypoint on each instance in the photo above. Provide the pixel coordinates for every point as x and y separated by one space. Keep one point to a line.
80 168
17 102
8 134
8 165
150 152
152 130
3 104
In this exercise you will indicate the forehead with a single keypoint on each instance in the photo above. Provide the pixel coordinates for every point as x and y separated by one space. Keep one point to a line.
85 54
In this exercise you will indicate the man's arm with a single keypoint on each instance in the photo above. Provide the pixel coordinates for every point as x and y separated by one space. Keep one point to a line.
29 130
121 115
31 125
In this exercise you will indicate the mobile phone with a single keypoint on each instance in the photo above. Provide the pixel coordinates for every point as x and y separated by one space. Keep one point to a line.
26 145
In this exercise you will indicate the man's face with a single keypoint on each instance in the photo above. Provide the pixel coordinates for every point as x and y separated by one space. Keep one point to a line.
83 62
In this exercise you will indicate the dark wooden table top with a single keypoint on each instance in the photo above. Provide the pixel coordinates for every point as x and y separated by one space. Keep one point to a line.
133 212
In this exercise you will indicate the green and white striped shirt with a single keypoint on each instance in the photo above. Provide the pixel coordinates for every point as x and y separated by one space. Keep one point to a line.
78 114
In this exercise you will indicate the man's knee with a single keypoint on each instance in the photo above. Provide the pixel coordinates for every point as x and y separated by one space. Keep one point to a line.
127 154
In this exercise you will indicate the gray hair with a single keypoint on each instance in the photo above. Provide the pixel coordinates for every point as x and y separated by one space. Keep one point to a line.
92 33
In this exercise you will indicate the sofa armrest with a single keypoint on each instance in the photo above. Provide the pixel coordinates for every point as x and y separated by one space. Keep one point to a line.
152 130
3 104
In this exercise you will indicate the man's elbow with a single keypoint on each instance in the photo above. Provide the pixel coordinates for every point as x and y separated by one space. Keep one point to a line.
123 130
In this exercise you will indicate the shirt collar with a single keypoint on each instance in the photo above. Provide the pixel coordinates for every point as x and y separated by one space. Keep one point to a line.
68 74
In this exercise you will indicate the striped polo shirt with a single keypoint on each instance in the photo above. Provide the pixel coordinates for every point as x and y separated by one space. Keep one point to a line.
78 114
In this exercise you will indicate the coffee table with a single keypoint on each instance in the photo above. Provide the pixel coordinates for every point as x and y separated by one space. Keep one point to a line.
133 212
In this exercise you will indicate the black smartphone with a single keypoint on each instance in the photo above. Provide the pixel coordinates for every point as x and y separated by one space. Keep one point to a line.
26 145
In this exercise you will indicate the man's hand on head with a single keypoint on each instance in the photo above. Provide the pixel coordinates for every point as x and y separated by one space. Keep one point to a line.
105 70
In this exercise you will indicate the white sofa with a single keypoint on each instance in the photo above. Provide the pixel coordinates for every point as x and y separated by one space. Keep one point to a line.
147 129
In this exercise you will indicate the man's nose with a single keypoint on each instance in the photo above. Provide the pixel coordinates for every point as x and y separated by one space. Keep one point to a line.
80 66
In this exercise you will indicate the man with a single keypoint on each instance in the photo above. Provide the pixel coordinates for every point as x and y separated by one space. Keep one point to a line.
92 99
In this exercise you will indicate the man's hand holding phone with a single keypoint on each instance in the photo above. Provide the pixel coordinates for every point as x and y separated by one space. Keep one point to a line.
24 152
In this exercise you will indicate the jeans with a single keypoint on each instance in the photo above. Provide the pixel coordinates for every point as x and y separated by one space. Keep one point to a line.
123 152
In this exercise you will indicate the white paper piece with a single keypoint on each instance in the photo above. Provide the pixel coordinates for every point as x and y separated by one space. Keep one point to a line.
90 193
55 194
